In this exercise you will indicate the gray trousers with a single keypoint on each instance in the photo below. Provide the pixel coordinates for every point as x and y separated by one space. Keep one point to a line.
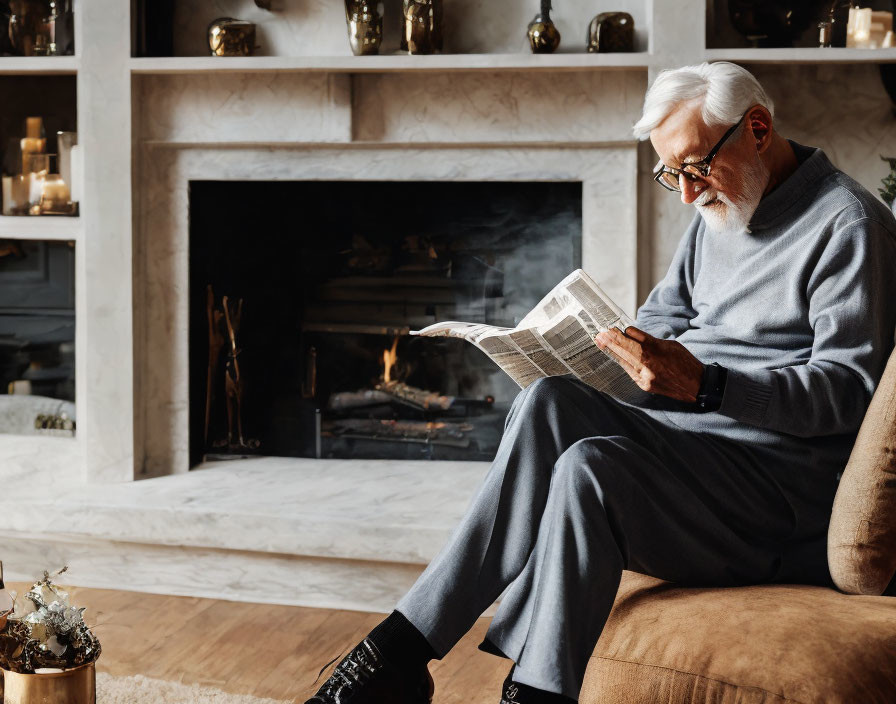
582 487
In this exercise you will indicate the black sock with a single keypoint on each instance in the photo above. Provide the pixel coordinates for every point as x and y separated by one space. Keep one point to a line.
524 694
401 643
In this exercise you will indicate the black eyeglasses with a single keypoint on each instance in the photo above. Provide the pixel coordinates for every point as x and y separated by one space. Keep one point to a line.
668 177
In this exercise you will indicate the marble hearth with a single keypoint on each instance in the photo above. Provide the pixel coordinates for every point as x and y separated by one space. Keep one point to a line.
339 534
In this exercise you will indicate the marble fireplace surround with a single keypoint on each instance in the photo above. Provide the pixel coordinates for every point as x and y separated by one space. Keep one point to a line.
609 238
335 533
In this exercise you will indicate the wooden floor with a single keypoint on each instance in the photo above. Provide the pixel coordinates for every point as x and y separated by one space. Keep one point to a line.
268 651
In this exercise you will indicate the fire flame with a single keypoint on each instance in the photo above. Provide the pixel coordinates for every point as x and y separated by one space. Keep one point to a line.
389 358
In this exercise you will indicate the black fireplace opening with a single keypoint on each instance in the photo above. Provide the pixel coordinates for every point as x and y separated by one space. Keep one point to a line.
302 295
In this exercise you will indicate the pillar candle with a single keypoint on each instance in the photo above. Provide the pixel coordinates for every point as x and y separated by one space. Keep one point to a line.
31 146
34 127
15 194
858 27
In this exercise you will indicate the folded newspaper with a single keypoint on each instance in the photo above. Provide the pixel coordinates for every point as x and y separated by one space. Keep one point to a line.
555 338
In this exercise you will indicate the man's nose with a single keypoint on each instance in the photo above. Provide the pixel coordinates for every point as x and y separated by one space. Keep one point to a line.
690 188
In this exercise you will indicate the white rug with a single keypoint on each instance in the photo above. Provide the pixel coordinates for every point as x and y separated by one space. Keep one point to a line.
138 689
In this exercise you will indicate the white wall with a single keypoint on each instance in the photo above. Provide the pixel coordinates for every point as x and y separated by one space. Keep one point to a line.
843 109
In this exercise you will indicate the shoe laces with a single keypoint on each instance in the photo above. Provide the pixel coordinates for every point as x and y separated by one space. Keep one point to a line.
509 694
354 671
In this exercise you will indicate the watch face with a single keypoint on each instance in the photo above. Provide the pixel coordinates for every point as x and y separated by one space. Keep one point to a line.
712 387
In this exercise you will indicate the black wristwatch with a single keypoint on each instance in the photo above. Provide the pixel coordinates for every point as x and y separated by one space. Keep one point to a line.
712 387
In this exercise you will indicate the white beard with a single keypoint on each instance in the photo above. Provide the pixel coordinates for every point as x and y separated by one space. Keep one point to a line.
727 216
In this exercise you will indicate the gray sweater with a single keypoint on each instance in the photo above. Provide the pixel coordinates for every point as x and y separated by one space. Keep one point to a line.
800 308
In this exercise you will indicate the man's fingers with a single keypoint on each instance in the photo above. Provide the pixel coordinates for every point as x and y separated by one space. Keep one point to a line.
657 366
622 346
636 334
629 369
624 357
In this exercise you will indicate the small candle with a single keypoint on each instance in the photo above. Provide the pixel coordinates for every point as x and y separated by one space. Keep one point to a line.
19 386
858 27
881 23
55 195
867 28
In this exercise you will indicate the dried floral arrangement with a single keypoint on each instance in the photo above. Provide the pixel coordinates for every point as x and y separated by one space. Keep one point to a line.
45 631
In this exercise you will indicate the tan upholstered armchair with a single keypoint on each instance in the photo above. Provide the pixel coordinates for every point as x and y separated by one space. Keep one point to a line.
773 643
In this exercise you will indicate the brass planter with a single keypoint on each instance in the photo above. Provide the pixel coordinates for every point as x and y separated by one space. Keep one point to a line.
75 686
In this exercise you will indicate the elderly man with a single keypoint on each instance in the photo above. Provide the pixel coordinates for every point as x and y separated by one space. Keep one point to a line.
761 347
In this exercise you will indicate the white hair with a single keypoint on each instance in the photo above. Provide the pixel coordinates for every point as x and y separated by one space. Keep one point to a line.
727 90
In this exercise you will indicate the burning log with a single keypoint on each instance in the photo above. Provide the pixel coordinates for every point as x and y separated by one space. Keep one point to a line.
347 400
419 398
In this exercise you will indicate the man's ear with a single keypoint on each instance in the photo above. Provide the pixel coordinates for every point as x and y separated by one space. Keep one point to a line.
760 122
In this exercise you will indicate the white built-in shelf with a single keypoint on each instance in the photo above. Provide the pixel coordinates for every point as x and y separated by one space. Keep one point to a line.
811 55
398 63
38 64
390 63
40 227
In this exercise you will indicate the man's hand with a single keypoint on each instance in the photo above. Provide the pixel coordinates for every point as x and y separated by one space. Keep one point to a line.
659 366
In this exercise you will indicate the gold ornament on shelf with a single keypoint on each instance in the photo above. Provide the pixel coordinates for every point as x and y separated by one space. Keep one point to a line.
544 37
27 27
611 32
365 26
230 37
421 26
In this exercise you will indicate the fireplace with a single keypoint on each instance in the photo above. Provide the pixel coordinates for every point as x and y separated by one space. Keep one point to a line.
331 276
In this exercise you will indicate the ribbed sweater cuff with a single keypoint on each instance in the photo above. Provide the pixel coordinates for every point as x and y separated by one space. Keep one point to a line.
746 398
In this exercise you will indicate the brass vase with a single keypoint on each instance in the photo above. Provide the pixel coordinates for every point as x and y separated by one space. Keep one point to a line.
365 26
74 686
230 37
27 29
421 26
544 37
611 32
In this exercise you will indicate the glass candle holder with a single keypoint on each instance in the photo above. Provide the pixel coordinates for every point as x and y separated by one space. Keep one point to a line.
65 141
37 166
53 196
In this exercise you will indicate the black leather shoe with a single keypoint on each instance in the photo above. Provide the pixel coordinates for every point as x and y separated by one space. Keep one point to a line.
364 676
515 693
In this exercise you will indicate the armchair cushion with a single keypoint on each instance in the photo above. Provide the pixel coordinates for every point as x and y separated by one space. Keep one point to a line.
862 532
764 644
